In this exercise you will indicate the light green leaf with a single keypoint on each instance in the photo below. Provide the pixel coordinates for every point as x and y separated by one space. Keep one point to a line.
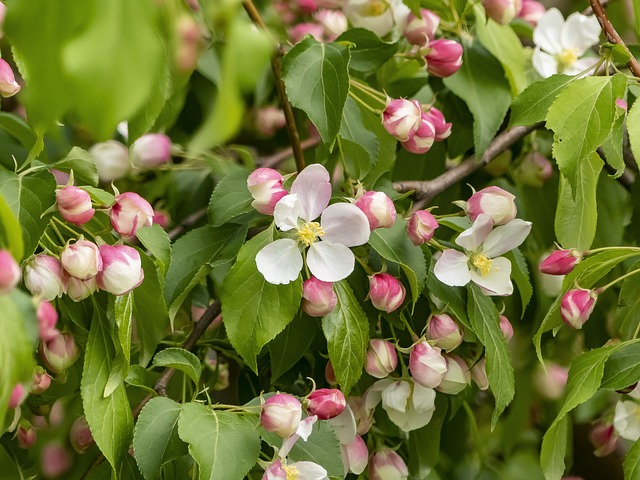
627 315
554 448
18 129
531 106
631 463
612 146
368 52
122 314
142 378
180 359
10 231
231 199
156 240
622 368
358 146
83 166
633 128
520 273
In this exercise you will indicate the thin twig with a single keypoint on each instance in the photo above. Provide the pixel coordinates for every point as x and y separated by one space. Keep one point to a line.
589 10
273 161
187 222
626 179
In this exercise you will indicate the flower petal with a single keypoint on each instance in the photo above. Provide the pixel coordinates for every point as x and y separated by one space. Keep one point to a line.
395 396
547 33
346 224
452 268
286 213
498 280
423 398
581 65
506 237
474 236
309 471
373 395
580 32
280 262
545 64
330 262
314 191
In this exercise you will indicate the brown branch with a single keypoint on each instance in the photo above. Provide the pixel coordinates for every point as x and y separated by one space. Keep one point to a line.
589 10
626 179
612 35
187 222
294 137
273 161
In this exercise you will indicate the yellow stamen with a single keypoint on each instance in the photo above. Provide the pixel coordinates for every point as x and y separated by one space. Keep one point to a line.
308 232
291 471
567 57
375 8
482 263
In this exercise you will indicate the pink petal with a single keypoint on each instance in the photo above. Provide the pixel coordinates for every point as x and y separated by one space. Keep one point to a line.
314 191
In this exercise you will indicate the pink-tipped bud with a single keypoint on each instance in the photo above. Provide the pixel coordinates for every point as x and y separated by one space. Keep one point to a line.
531 11
444 58
479 374
47 320
381 358
421 141
457 376
386 292
74 205
18 395
444 332
604 439
8 85
265 186
427 365
55 460
622 104
387 465
534 170
318 297
151 150
330 374
334 22
379 209
43 277
301 30
60 353
121 269
281 414
129 213
81 259
401 118
41 381
307 6
421 227
161 218
552 382
561 262
420 31
355 456
576 306
9 272
78 289
26 437
269 120
492 201
189 40
502 11
112 160
506 327
440 124
80 435
326 403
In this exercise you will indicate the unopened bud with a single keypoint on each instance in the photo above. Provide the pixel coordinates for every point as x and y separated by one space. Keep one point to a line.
129 213
444 58
307 6
457 376
318 297
502 11
121 269
561 262
534 170
55 460
326 403
269 120
576 306
604 439
479 374
552 382
387 465
301 30
531 11
41 381
74 205
18 395
355 456
9 272
492 201
81 259
506 327
80 435
421 141
421 227
78 289
444 332
43 277
151 150
265 186
420 31
427 365
8 85
386 292
378 208
189 40
47 320
161 218
440 124
60 353
402 118
281 414
112 160
26 437
381 358
330 374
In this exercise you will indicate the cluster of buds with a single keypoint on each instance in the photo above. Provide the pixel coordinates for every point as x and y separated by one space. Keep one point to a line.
504 11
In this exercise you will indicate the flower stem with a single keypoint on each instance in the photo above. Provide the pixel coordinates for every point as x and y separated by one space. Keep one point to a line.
364 104
372 92
626 275
64 225
365 266
606 249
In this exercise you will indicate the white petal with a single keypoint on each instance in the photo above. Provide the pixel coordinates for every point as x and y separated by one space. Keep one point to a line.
423 398
286 213
498 280
314 191
506 237
373 395
306 427
546 35
280 262
330 262
346 224
545 64
626 421
474 236
309 471
581 65
344 426
580 32
395 396
452 268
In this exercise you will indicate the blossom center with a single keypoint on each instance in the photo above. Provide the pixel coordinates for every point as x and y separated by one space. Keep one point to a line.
292 472
309 231
374 8
567 57
482 263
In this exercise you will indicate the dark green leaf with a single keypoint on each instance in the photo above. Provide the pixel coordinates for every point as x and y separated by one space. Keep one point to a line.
631 463
368 52
622 368
424 443
520 273
10 231
180 359
358 146
290 345
83 166
627 315
454 298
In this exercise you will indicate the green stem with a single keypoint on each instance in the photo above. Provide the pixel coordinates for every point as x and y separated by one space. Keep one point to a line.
626 275
365 104
51 242
372 92
365 266
63 225
605 249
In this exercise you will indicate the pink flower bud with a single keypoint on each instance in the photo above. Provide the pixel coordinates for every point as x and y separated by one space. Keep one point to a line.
492 201
531 12
576 306
189 40
112 160
301 30
26 437
161 218
604 439
479 374
265 185
355 456
387 465
561 262
281 414
307 6
421 141
74 205
552 382
47 320
334 23
80 435
445 332
621 104
55 460
502 11
318 297
457 376
381 358
121 269
506 327
378 208
326 403
386 292
534 170
9 272
444 58
402 118
441 126
81 259
269 120
330 374
8 85
421 227
18 395
427 365
43 277
151 150
41 381
78 289
59 353
420 31
130 212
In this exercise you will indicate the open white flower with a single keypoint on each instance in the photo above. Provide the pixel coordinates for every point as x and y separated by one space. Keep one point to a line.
342 225
626 420
560 43
482 243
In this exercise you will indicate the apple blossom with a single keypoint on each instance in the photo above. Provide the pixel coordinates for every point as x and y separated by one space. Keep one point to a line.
421 141
479 374
409 405
444 332
55 460
8 85
457 376
386 292
9 272
80 435
576 306
81 259
506 327
112 160
344 425
318 297
304 470
444 57
502 11
493 201
427 365
122 269
381 358
402 118
301 30
334 23
41 381
534 170
47 320
378 208
421 30
604 439
551 380
379 16
161 218
129 213
421 227
341 226
325 403
151 150
60 352
626 420
561 262
387 465
362 414
265 186
441 126
355 456
281 414
43 277
74 205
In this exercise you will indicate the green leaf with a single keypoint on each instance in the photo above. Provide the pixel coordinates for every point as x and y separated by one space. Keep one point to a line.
368 52
627 315
142 378
254 310
486 324
631 463
180 359
577 214
531 106
622 368
156 240
226 445
231 199
144 120
290 345
633 128
346 328
18 129
424 443
10 231
554 447
520 273
454 298
481 83
394 245
612 147
317 81
358 146
83 166
122 314
28 197
155 439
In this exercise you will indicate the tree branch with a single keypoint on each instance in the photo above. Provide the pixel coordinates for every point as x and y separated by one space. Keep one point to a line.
273 161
